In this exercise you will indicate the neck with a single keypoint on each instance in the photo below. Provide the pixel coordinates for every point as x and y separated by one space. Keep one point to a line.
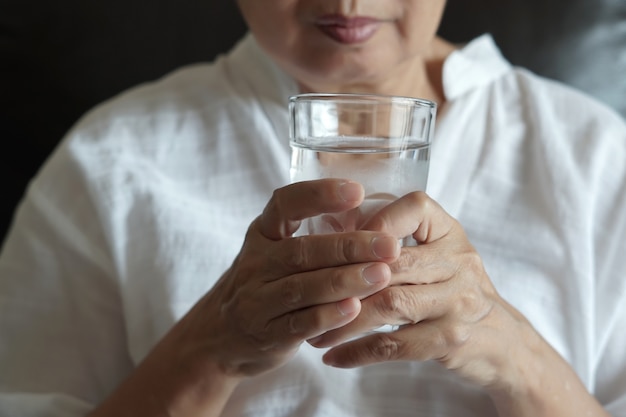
421 77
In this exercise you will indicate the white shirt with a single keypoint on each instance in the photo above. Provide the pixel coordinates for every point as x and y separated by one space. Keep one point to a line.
146 202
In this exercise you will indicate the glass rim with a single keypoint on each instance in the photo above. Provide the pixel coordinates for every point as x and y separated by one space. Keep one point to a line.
361 98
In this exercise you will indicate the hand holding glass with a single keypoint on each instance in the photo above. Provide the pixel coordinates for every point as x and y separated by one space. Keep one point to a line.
382 142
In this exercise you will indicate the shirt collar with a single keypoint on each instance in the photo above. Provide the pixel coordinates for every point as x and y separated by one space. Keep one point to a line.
476 64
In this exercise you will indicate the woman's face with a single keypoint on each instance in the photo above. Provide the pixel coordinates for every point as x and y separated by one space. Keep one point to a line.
336 45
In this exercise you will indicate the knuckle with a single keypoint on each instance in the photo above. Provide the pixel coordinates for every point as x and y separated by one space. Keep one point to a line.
456 336
385 348
297 257
420 199
273 204
474 305
473 302
291 293
405 262
466 304
392 302
378 223
347 250
294 324
275 200
314 322
473 263
336 282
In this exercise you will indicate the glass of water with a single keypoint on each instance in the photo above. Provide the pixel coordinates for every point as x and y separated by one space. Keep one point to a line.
382 142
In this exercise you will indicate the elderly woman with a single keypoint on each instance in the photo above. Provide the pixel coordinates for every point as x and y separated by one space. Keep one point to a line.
147 274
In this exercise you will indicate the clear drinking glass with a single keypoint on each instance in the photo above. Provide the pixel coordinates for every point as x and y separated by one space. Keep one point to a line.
382 142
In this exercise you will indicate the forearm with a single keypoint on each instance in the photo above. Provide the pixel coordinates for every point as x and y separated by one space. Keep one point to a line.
540 383
169 383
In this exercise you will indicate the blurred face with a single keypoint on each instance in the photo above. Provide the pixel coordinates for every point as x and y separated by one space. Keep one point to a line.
345 45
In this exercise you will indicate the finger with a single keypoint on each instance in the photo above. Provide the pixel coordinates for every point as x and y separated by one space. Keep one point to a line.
292 203
426 264
462 302
398 305
414 214
421 342
324 286
308 253
310 322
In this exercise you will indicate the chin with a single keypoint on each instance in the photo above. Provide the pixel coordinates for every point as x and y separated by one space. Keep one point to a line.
344 70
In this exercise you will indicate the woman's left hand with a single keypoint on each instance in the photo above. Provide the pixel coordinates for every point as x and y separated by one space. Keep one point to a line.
449 311
440 295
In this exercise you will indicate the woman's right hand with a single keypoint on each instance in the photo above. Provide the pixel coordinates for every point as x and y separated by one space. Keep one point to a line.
280 291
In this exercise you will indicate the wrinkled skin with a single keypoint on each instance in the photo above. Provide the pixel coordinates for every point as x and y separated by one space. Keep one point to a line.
440 295
283 291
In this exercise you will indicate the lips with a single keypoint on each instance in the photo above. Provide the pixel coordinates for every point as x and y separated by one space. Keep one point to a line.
348 30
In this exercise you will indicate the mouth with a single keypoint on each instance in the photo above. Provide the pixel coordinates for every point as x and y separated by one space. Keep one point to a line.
348 30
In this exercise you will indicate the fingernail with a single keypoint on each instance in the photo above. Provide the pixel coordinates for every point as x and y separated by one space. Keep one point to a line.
374 274
350 191
385 247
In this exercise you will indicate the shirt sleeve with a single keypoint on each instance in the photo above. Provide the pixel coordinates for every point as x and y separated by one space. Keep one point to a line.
611 385
609 185
63 344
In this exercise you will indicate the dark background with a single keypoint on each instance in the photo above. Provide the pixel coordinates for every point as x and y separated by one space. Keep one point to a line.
60 58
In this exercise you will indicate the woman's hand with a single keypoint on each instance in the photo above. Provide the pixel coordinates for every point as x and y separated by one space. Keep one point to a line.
440 295
449 311
279 291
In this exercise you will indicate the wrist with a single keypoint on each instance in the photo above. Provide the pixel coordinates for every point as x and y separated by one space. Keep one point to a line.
199 391
171 382
188 381
536 381
520 375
